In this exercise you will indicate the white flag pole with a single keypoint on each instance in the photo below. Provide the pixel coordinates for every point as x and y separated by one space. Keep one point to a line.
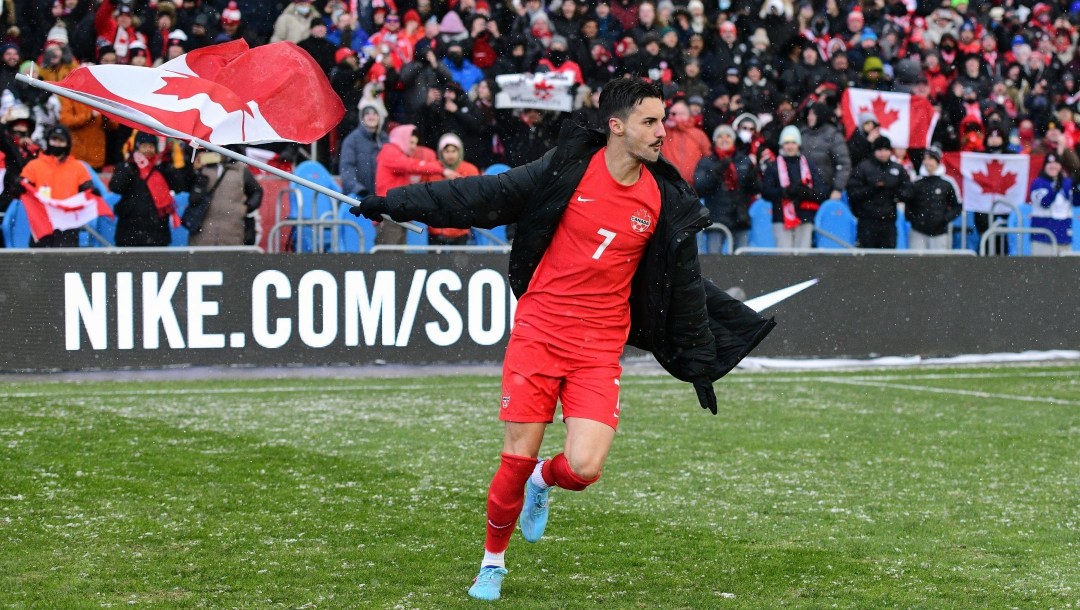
172 133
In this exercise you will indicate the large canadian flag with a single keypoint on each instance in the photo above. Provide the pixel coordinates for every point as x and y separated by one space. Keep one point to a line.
907 120
223 94
46 214
987 178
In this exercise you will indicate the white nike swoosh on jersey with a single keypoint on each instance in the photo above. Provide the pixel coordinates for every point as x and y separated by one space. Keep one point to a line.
766 301
584 200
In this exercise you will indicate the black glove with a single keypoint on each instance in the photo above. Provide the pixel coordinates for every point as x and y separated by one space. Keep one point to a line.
705 394
89 186
372 208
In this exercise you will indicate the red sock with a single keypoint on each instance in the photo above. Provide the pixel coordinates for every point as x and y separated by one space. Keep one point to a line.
556 471
506 496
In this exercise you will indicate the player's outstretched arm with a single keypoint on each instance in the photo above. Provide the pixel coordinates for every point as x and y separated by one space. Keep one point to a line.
477 201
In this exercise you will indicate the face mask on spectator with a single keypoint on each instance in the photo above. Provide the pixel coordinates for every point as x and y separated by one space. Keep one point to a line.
745 135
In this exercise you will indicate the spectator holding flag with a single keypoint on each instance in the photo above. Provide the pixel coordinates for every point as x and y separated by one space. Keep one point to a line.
59 194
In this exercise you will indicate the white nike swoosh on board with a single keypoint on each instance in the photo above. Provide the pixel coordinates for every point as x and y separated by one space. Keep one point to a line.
766 301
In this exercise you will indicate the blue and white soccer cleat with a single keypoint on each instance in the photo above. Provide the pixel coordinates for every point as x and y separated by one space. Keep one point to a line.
488 583
534 515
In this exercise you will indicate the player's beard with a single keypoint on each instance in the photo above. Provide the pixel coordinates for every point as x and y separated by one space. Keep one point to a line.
647 153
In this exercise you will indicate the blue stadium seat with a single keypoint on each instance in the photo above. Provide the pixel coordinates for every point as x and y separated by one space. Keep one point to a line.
417 239
761 235
180 234
1021 220
836 218
105 226
16 226
496 168
972 241
1076 230
315 205
903 229
348 239
479 239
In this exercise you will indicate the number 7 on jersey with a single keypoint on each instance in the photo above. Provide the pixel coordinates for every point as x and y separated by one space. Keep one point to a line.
608 236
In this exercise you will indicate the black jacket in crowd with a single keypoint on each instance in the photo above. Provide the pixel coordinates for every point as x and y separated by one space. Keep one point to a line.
694 329
932 206
875 187
137 220
727 206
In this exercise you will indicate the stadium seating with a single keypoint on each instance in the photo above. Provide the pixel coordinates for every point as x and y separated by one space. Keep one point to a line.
103 225
903 228
348 239
761 235
16 226
478 238
972 241
312 205
180 234
1020 243
1076 230
836 218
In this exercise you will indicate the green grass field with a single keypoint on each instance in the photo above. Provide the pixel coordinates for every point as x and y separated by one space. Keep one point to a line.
915 488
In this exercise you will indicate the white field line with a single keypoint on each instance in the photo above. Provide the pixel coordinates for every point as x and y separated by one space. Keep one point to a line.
930 389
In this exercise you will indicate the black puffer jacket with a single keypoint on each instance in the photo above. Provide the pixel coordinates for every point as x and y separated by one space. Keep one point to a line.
695 330
875 187
933 205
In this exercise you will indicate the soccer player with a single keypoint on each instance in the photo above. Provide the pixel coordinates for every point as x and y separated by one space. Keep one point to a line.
605 254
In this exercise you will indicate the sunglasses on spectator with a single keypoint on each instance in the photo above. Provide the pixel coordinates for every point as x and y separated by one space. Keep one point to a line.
20 133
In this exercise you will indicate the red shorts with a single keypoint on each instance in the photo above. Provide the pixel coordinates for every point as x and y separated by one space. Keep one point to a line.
537 374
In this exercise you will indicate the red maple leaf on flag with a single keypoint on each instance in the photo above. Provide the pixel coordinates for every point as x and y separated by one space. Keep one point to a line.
543 89
995 181
885 116
183 88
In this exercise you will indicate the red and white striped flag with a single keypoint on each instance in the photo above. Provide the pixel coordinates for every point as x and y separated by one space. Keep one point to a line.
46 214
985 178
907 120
223 94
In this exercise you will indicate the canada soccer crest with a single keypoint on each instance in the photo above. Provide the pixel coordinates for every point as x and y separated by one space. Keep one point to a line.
641 220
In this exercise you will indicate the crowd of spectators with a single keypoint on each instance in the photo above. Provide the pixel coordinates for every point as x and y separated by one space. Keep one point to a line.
736 73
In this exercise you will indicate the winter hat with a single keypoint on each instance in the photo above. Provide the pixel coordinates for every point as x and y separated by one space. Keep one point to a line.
790 134
483 7
342 54
934 152
873 63
882 143
558 40
746 116
867 117
723 129
450 139
451 24
142 137
696 99
868 34
1051 157
698 4
760 36
58 34
231 14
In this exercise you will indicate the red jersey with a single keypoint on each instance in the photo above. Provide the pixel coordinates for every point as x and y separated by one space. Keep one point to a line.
578 298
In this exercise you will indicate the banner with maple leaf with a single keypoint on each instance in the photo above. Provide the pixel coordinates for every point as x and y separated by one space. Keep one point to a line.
907 120
223 94
988 178
543 91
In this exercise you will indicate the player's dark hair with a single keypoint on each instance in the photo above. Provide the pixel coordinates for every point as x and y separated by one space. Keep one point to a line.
621 95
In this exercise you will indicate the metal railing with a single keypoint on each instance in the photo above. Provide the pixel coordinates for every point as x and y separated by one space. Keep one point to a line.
317 227
503 249
728 239
850 252
999 229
